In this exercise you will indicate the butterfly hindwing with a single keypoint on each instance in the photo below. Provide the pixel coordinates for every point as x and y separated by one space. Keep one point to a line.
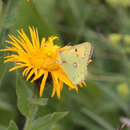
74 61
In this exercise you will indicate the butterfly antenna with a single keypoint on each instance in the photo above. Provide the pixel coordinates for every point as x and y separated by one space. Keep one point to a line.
68 44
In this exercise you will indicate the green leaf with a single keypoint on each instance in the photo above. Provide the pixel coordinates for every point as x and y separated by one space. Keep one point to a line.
47 122
9 14
39 101
3 70
12 126
48 10
5 105
2 127
98 119
114 97
22 92
27 15
80 119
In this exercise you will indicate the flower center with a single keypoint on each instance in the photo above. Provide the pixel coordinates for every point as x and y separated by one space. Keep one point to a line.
44 59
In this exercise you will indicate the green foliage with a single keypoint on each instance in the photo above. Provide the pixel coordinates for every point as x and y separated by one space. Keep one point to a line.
3 69
23 95
39 101
47 122
12 126
124 3
98 119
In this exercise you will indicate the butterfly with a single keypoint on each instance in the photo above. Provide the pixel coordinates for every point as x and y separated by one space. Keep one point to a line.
74 61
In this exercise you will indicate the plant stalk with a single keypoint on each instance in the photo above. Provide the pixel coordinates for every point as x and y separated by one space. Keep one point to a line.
32 113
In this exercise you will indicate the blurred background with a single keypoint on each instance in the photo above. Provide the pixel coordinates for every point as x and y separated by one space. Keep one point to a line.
104 23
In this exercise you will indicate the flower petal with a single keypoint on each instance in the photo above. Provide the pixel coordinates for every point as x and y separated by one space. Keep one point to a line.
56 85
43 83
38 75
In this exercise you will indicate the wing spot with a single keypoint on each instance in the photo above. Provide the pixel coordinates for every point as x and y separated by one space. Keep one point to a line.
75 64
60 51
76 49
64 61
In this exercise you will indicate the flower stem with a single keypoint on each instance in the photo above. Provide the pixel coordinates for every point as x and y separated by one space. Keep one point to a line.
32 113
30 118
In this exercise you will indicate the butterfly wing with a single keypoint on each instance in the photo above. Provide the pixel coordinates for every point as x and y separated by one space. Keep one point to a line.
74 61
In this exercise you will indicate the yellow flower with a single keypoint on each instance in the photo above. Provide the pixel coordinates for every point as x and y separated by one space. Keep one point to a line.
38 60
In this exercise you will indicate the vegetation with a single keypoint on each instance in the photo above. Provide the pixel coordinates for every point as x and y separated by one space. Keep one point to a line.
100 105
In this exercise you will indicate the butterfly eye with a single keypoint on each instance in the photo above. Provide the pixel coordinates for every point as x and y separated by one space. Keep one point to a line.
76 49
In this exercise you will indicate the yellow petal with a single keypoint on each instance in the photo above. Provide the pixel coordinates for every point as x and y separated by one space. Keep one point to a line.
81 85
43 83
17 67
43 42
65 79
61 85
51 39
38 75
56 85
30 74
34 37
